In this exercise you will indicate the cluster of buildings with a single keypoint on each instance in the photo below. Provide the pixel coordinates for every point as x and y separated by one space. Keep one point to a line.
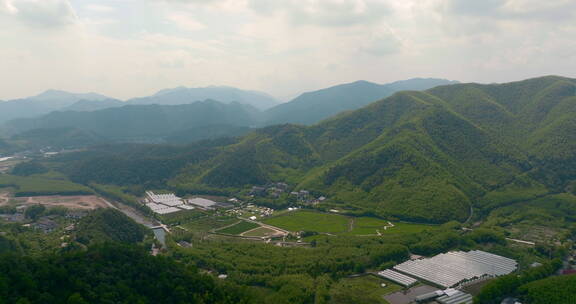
165 203
450 271
252 209
273 190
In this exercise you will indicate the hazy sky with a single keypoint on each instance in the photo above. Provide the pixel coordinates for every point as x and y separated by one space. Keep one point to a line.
127 48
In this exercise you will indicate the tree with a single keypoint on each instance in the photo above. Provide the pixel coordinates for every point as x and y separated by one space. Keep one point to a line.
35 211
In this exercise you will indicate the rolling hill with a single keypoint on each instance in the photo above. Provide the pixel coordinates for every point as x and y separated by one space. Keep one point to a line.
430 156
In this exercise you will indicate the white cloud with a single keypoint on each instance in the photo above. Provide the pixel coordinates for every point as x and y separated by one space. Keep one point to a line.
322 12
186 22
41 13
133 47
100 8
7 7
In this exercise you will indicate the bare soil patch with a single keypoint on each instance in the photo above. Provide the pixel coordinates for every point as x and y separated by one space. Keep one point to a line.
4 198
83 202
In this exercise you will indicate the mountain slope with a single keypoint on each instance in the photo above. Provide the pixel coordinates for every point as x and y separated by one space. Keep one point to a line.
184 95
429 156
148 123
312 107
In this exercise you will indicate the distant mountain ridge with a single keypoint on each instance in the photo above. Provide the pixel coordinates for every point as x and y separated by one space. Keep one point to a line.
43 103
86 105
183 95
309 108
137 123
312 107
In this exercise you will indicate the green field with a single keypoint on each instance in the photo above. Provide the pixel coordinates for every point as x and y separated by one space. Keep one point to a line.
366 289
368 226
243 226
39 185
261 232
208 223
304 220
408 228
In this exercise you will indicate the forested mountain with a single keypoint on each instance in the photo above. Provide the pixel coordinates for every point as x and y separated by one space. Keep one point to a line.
184 95
145 123
312 107
424 156
43 103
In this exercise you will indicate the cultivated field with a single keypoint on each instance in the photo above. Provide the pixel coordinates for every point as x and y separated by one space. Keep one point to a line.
40 185
305 220
238 228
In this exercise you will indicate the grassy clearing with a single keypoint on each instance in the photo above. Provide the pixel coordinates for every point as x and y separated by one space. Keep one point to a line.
208 223
400 228
367 226
366 289
260 232
304 220
239 228
38 185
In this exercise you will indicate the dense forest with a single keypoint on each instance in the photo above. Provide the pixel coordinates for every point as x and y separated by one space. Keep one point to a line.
430 156
107 274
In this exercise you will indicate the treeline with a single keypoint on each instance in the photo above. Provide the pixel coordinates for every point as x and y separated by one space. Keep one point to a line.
109 225
510 285
557 290
108 274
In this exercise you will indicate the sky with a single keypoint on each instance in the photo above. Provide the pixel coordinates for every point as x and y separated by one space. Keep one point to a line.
130 48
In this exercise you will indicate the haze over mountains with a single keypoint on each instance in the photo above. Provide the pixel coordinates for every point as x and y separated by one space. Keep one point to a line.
43 103
137 120
183 95
423 156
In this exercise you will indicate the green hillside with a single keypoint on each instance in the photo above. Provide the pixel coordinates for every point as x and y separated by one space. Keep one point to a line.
312 107
429 156
109 225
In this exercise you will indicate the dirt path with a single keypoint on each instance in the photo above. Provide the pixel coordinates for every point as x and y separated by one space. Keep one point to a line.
351 224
